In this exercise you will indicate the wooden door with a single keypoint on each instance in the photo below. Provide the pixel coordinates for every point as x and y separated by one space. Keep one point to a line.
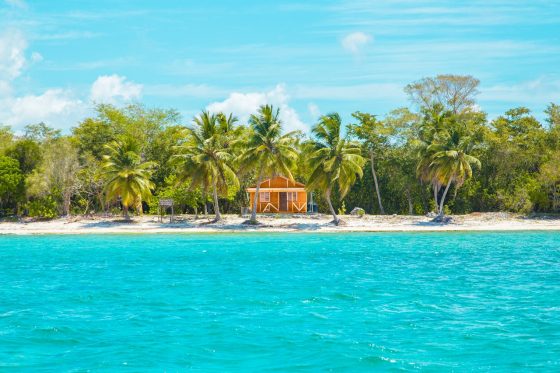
283 201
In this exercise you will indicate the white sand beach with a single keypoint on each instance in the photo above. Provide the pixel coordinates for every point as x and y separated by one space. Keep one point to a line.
292 223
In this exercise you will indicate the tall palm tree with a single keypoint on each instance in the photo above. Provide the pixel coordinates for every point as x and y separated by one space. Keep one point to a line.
435 122
206 157
128 177
335 161
375 136
267 150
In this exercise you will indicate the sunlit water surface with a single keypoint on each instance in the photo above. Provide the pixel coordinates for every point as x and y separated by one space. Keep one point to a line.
306 302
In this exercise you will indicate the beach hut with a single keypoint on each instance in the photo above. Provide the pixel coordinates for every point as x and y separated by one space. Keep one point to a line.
279 195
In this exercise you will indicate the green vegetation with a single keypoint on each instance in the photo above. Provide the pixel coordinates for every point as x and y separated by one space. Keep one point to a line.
267 151
335 161
128 178
441 154
206 156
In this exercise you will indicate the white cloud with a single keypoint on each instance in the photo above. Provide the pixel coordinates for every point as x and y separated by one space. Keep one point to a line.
12 55
355 42
61 108
113 89
56 107
245 104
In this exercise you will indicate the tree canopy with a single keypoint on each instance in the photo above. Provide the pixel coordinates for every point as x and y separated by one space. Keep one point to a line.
439 154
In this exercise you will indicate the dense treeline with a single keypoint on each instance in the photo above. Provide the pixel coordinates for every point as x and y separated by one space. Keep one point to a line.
442 154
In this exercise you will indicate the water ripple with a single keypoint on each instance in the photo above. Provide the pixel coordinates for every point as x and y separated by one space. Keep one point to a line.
270 302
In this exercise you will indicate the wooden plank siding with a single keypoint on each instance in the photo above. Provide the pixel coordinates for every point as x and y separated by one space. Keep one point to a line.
285 196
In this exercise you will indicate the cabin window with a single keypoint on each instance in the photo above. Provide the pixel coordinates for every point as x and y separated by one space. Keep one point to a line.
264 196
292 196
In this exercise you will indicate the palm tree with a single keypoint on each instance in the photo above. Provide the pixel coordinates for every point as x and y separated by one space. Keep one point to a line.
335 161
127 176
451 163
375 136
434 123
206 157
267 150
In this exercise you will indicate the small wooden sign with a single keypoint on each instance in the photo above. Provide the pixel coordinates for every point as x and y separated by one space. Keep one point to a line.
166 202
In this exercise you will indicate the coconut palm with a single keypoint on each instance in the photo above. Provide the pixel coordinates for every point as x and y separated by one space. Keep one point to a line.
435 122
335 161
267 150
205 158
126 175
444 153
451 163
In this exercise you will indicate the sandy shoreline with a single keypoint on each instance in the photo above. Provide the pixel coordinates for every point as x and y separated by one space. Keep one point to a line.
319 223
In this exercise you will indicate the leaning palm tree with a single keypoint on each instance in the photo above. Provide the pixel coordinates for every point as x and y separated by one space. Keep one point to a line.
127 176
450 163
267 150
205 158
335 161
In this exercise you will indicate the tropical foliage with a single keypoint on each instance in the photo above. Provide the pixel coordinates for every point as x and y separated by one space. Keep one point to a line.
334 161
206 159
267 150
441 154
128 178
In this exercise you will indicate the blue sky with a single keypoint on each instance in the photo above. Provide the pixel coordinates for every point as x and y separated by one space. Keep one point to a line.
312 57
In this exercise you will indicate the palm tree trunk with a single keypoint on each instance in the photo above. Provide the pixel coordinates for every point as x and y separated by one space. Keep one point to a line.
256 199
126 216
336 220
441 203
436 191
204 201
216 203
381 210
410 205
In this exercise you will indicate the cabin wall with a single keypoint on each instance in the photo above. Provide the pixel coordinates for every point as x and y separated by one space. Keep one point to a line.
301 203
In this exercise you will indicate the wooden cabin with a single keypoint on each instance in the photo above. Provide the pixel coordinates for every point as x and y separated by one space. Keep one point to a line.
279 195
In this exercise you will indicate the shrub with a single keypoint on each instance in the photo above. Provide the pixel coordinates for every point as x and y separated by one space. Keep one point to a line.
46 207
342 209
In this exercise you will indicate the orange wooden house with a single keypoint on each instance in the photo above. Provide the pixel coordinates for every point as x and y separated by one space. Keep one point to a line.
280 195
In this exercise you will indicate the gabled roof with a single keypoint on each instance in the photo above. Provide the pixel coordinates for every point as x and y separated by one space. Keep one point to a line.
279 181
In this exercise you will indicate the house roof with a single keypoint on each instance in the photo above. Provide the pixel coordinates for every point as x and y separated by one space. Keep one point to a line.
278 183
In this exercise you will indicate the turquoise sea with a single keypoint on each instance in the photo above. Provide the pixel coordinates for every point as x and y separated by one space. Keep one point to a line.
281 302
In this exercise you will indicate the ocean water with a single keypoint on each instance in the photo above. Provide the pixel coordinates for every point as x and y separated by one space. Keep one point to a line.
281 302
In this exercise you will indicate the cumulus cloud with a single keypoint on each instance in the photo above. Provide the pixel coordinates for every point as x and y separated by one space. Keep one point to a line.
245 104
355 42
113 89
55 106
62 108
